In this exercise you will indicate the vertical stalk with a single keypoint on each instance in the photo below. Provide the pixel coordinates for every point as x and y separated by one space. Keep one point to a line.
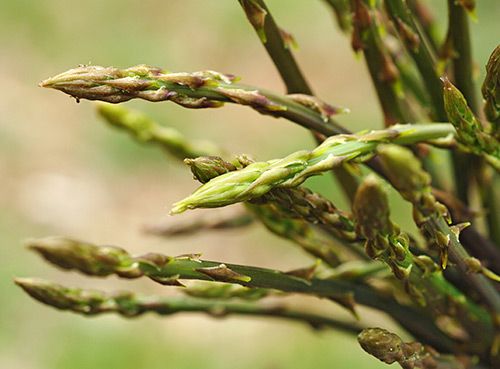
383 71
420 53
458 34
463 77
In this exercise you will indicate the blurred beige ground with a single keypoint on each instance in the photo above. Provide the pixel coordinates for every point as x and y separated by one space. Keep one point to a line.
63 172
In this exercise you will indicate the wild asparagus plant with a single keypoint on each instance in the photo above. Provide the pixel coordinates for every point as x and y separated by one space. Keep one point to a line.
441 287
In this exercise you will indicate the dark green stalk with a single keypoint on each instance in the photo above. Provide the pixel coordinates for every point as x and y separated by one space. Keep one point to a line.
463 66
459 39
127 304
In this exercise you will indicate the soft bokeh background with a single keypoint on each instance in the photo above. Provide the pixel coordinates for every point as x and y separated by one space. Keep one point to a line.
63 172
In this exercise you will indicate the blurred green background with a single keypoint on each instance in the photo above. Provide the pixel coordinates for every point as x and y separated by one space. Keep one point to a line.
64 173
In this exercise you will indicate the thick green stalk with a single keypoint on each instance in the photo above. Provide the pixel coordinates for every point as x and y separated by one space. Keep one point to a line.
259 178
463 66
206 89
127 304
107 260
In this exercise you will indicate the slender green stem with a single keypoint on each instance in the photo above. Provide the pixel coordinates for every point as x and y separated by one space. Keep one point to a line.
425 23
458 34
146 130
424 60
383 71
463 67
277 48
93 302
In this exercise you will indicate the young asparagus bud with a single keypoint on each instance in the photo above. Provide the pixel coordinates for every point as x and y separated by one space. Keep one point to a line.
405 173
470 130
459 113
207 167
491 91
390 348
371 209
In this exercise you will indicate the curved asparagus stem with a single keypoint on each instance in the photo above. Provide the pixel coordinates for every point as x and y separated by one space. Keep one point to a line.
206 89
259 178
127 304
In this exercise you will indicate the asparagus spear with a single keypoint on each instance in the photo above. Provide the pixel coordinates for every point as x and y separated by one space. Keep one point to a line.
127 304
205 89
259 178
